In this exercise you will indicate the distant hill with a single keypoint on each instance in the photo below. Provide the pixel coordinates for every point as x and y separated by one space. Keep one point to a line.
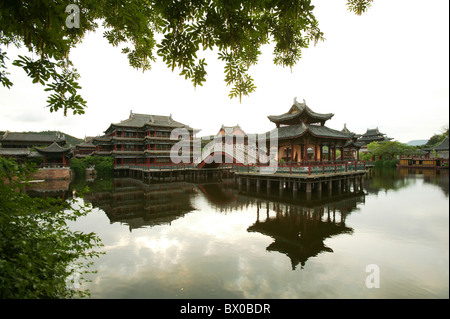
417 142
70 140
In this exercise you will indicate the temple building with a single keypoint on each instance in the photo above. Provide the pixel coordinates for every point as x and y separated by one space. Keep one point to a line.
231 130
441 149
352 147
55 155
85 148
301 129
140 139
373 135
23 147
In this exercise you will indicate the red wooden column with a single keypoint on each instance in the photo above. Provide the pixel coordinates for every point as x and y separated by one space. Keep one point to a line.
292 152
315 152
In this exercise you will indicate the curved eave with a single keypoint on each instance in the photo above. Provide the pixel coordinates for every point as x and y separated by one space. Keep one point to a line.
288 118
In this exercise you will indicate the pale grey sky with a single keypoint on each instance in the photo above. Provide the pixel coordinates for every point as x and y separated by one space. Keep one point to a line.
388 68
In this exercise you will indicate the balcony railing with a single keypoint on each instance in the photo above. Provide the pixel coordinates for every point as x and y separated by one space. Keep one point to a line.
309 168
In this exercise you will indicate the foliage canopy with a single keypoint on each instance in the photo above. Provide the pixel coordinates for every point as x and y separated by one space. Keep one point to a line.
39 254
175 30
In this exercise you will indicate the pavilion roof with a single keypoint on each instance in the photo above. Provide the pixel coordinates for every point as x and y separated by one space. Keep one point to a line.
298 110
53 148
316 130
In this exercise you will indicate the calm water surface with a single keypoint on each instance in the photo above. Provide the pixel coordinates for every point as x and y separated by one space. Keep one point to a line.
183 240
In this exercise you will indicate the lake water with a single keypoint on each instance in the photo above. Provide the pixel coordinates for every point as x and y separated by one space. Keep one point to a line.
182 240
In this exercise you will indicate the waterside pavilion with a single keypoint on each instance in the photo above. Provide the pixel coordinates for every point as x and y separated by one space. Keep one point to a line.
301 129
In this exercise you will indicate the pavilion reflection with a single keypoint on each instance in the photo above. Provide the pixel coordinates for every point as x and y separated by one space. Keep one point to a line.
300 232
138 204
58 188
299 226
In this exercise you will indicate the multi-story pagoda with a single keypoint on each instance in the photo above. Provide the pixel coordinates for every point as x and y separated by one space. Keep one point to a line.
301 129
140 139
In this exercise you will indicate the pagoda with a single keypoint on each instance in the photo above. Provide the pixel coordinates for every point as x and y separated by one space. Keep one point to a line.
140 139
301 129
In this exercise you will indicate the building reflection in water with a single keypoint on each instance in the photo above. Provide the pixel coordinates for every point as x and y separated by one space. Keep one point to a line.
437 177
138 204
298 226
49 189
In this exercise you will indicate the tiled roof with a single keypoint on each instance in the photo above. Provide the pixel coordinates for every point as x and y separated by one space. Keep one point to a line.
54 148
14 151
32 137
317 130
443 146
372 132
140 120
298 109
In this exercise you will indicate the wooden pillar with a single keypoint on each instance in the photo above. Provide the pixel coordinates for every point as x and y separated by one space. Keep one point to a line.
319 186
292 152
308 187
315 152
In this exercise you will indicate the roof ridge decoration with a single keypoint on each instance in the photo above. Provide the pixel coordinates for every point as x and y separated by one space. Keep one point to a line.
304 126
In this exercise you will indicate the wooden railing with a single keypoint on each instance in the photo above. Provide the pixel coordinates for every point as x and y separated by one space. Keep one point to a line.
306 168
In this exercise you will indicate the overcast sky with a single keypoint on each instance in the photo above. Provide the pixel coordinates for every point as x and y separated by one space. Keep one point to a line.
388 68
